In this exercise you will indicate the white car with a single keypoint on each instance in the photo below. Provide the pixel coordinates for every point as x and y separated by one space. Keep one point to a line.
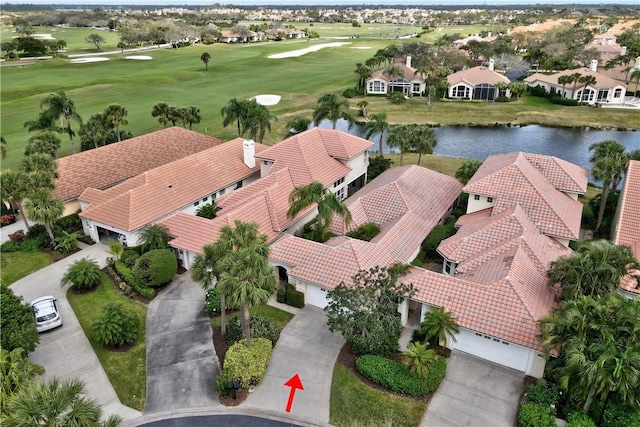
47 313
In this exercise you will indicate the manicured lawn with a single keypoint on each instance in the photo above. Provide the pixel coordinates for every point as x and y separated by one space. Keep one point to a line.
16 265
592 192
75 37
356 404
445 165
127 371
280 317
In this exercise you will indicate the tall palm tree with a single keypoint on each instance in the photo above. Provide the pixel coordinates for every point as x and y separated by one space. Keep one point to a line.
377 124
564 80
608 160
327 202
59 104
635 75
257 121
331 107
235 110
247 279
40 163
206 57
55 403
575 79
424 140
363 107
439 325
116 115
417 357
154 236
42 207
97 130
190 115
363 72
400 136
15 185
161 111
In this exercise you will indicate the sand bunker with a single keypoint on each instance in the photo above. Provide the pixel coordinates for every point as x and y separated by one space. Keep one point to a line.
84 60
267 99
139 57
300 52
43 37
362 47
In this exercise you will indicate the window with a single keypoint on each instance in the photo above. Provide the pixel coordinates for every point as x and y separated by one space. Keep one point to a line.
196 203
205 199
238 184
222 191
338 182
450 267
460 91
377 86
617 93
415 88
489 199
213 196
340 193
266 163
366 158
476 197
603 94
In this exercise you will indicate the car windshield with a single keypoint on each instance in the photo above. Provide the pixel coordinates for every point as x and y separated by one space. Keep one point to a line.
46 317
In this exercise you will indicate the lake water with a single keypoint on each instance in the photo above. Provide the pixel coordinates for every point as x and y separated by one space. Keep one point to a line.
478 143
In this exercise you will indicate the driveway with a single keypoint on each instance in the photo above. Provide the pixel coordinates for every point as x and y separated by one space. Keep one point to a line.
307 348
181 361
475 393
65 352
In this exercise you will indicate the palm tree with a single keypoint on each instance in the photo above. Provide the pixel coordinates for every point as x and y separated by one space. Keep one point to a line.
467 170
363 107
377 124
42 207
575 79
115 249
608 159
327 202
331 107
205 57
438 325
155 236
363 72
45 142
15 370
298 124
97 130
161 111
115 114
235 110
417 357
586 81
55 403
400 136
58 105
257 121
247 279
189 115
635 76
45 121
424 140
15 185
564 80
84 273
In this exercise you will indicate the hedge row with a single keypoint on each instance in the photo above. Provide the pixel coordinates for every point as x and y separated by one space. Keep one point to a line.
536 415
294 298
395 377
245 364
126 274
259 327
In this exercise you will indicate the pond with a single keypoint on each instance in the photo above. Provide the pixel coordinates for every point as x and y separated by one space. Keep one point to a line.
570 144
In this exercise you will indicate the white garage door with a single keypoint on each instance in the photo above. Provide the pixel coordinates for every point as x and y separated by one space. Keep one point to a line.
316 296
494 350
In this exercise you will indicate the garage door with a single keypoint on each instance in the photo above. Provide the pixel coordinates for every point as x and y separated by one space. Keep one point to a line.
494 350
316 296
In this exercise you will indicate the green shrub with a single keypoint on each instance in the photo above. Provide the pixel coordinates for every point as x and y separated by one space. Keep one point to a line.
129 257
502 99
377 165
67 242
395 377
397 98
38 233
115 326
156 267
438 234
538 91
247 364
70 223
564 101
82 274
294 298
579 419
541 393
281 296
350 92
125 273
10 246
536 415
366 231
259 326
213 302
222 380
621 417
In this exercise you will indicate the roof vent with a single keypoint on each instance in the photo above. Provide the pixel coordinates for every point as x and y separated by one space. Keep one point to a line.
249 152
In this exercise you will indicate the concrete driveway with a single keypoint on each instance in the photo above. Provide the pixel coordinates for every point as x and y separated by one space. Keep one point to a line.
181 361
65 352
475 393
307 348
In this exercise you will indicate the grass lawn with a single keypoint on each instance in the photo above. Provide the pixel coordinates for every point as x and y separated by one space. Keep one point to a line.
75 37
127 371
16 265
280 317
445 165
356 404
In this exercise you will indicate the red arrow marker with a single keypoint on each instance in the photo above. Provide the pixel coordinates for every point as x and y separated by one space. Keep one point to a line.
295 383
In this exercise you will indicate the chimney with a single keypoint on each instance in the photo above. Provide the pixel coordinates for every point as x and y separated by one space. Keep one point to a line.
594 65
492 64
249 149
489 34
408 60
623 50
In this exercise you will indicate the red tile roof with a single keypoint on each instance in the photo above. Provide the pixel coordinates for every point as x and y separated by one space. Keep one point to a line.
475 76
161 191
627 228
313 155
408 73
531 181
603 81
106 166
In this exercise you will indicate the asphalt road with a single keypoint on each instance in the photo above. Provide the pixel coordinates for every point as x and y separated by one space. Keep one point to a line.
218 421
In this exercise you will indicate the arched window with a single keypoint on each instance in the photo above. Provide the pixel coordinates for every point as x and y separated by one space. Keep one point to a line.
460 91
376 86
617 93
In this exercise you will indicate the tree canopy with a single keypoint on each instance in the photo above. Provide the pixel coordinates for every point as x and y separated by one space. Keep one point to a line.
18 324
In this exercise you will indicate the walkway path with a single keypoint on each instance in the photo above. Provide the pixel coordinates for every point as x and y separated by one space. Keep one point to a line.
65 352
181 361
307 348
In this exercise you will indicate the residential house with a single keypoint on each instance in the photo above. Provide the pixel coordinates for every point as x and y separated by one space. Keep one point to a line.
605 90
408 82
336 159
477 83
284 33
106 166
625 226
227 36
180 186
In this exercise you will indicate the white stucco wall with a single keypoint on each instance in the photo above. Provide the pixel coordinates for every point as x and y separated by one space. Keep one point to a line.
478 205
193 207
358 165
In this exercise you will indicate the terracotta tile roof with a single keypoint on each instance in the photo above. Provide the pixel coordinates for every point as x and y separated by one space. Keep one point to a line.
475 76
565 176
627 228
512 178
408 201
602 80
313 155
160 191
408 73
631 282
106 166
